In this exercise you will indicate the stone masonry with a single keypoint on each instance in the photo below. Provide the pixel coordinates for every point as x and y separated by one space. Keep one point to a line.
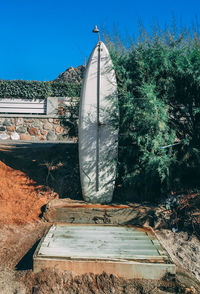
40 128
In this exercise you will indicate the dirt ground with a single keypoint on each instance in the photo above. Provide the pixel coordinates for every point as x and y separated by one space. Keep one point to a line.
32 175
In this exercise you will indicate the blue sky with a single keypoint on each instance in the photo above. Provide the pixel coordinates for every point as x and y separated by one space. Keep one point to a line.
42 38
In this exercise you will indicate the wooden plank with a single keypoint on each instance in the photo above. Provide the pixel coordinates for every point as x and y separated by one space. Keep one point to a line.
133 242
102 235
9 105
125 269
98 242
21 100
114 237
106 254
9 110
112 246
22 105
99 229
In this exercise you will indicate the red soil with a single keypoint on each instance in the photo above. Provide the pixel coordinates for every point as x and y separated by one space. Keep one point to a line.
21 199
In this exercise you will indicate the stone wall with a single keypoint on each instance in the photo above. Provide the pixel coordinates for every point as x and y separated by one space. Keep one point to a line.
55 127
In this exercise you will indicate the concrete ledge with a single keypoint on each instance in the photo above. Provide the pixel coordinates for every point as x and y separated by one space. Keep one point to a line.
74 211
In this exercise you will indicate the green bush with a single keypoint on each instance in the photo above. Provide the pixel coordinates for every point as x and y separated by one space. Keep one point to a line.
36 89
159 99
61 89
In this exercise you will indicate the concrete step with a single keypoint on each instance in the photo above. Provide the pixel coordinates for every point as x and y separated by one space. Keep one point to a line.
80 212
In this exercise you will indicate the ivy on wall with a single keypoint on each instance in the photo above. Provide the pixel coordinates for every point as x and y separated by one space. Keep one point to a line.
37 90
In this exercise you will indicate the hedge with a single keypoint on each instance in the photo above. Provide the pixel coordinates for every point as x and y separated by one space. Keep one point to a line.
36 89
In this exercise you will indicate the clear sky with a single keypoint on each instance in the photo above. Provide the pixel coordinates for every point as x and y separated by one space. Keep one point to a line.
42 38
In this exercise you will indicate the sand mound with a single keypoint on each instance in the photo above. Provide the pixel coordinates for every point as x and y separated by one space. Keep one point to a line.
20 198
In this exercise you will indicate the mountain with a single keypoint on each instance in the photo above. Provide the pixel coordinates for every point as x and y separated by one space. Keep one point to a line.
72 75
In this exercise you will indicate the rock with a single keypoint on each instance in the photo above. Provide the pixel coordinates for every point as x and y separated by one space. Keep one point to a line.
47 126
7 122
43 132
190 290
158 291
60 137
72 75
25 137
33 131
19 121
61 112
67 114
4 137
59 130
15 136
42 138
10 128
37 123
56 121
51 136
29 120
21 129
2 129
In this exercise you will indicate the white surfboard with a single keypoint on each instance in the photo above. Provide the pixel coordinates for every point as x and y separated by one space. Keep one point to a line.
98 137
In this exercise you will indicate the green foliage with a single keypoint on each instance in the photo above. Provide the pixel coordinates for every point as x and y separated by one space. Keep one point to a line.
159 99
39 90
61 89
25 89
72 123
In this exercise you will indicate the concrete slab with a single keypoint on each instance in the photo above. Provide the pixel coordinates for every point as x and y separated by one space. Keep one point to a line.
80 212
129 252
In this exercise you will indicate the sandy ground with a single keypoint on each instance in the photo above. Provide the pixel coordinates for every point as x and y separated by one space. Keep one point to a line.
26 186
184 252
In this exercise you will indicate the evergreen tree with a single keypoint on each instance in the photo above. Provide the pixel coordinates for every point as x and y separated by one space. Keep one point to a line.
159 100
